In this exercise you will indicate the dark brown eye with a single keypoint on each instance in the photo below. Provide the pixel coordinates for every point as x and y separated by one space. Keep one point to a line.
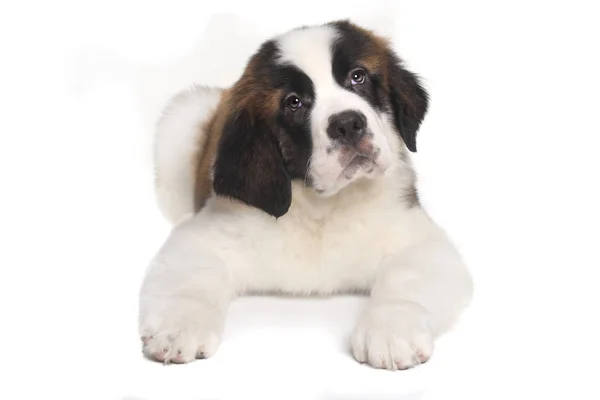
294 102
358 77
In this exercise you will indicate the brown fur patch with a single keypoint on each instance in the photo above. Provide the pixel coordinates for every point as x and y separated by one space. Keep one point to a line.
251 93
206 154
376 57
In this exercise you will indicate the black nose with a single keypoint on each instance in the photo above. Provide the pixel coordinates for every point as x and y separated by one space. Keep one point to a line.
347 126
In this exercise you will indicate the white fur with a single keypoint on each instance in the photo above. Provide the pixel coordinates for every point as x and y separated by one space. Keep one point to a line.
177 140
361 238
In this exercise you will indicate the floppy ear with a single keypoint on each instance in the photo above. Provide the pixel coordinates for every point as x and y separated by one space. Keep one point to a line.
409 102
249 166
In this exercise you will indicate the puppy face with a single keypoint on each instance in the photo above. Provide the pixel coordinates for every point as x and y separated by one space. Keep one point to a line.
326 105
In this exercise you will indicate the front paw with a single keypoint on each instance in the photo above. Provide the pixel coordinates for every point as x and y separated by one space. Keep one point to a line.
177 330
392 336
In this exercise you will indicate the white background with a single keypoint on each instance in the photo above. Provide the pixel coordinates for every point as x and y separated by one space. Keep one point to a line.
507 162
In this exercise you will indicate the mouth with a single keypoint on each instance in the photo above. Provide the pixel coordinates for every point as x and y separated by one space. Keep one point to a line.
359 161
353 160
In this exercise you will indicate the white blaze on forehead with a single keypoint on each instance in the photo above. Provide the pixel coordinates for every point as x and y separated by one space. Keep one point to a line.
309 49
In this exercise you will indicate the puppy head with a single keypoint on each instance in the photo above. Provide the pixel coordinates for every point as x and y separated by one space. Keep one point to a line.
326 105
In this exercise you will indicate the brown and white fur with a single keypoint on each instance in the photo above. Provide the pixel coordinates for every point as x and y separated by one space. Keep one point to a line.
298 180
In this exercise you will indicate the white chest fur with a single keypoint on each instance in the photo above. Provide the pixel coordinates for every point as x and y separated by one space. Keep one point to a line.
319 246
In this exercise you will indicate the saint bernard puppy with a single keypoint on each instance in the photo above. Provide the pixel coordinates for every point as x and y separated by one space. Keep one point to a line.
298 180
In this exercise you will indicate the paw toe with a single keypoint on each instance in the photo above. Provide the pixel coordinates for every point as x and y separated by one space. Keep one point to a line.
179 347
160 355
400 345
